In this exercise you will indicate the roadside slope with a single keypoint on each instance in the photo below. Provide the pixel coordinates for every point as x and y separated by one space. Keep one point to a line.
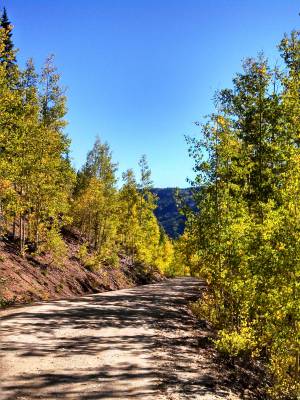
34 278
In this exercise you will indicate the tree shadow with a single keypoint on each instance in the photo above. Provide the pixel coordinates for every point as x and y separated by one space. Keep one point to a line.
87 323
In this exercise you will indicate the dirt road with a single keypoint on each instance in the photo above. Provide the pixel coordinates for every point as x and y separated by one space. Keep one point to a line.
129 344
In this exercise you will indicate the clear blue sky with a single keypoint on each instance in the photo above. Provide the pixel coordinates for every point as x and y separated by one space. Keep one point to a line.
140 72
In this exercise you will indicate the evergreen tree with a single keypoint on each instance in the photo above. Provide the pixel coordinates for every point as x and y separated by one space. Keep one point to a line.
8 55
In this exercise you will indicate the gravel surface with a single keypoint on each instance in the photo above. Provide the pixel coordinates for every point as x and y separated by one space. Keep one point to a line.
139 343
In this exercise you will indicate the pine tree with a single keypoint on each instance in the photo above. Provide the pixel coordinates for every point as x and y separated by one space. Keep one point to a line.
8 55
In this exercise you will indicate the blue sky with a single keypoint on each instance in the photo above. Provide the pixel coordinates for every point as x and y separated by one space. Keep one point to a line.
140 72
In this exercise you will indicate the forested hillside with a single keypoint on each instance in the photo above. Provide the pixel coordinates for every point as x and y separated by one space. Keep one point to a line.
41 193
168 210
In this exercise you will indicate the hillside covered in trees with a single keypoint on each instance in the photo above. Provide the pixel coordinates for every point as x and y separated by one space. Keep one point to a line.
168 210
42 196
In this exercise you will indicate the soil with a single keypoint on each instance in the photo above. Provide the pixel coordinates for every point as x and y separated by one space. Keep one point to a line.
30 279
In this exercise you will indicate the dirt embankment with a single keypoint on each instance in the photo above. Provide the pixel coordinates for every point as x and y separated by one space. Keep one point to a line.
24 280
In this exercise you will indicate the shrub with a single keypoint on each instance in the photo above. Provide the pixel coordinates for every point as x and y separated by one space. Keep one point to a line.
236 343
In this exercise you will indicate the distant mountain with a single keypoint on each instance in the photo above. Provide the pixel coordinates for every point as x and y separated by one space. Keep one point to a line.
167 211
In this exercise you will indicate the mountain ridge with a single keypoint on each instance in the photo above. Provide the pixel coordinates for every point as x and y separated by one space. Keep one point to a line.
168 212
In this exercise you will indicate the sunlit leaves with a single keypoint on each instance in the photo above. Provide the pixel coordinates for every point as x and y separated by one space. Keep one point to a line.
245 238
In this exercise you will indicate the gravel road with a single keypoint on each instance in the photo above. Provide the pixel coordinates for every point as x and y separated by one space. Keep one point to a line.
128 344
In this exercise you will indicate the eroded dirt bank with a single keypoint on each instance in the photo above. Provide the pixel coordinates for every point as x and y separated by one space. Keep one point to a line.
34 278
139 343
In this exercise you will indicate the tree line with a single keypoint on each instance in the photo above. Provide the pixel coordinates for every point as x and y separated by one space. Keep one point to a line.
40 192
244 237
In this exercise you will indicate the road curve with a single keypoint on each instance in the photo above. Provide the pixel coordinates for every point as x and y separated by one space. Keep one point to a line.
113 345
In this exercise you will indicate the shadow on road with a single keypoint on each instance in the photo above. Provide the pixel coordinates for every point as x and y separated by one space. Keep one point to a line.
159 308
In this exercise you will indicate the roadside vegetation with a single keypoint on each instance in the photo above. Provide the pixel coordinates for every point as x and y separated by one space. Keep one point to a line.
244 238
41 193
